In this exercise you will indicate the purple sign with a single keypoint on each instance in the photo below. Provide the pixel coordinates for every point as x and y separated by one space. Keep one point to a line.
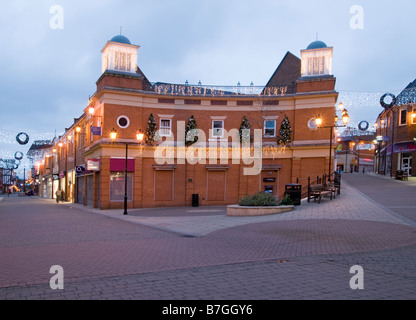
96 131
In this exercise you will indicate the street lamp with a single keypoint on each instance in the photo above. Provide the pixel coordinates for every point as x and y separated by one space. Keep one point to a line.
319 121
51 168
113 137
379 140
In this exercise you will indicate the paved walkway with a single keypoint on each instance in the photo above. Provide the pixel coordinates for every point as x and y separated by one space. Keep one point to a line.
199 221
200 253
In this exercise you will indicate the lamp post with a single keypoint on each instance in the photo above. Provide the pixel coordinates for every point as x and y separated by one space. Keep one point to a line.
319 121
379 140
51 168
113 137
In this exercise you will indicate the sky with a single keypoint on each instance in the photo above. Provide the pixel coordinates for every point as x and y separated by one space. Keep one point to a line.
51 58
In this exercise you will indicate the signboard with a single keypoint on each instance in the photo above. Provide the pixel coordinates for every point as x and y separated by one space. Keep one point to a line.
93 164
96 131
269 179
366 146
79 170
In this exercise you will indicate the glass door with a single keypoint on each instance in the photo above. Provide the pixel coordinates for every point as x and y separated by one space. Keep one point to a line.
407 162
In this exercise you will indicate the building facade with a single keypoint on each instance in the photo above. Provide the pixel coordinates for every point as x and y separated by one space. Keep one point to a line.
396 133
167 168
355 151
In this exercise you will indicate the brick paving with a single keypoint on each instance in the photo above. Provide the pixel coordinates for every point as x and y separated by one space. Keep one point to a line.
199 253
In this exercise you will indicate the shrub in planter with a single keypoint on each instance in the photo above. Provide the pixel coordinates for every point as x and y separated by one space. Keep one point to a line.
286 201
258 200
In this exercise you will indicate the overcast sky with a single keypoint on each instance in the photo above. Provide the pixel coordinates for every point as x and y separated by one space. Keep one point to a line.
49 70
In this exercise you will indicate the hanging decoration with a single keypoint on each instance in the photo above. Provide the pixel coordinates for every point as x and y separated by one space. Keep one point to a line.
387 105
22 138
363 125
18 155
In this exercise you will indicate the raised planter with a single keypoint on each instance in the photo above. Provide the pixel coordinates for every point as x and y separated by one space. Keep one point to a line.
245 211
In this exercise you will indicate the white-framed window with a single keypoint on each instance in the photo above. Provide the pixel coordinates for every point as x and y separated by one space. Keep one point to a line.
123 121
217 128
165 127
312 124
402 117
269 128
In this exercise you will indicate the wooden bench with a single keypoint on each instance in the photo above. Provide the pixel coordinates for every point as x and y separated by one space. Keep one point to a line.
317 191
402 175
330 186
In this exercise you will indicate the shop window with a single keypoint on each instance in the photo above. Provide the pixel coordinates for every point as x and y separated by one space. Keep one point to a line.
117 186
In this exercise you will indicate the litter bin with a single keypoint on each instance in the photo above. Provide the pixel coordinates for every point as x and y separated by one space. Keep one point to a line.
195 200
294 191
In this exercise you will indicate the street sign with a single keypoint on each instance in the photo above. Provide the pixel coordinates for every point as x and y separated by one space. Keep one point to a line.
96 131
93 164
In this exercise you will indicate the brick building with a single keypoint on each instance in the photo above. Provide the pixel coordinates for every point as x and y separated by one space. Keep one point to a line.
396 133
355 151
218 168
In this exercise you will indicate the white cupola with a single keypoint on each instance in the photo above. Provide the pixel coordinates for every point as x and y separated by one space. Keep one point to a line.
119 55
316 60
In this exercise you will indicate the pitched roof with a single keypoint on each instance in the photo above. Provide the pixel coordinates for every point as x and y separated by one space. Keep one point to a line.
408 95
286 74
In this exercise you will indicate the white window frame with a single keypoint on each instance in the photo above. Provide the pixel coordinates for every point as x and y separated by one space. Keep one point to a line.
215 130
400 117
163 130
274 129
127 119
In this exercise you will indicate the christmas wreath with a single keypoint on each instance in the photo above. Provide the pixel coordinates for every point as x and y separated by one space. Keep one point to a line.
20 140
18 155
387 105
363 125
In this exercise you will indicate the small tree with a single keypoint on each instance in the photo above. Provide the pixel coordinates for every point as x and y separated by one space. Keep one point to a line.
285 132
245 124
191 136
151 130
